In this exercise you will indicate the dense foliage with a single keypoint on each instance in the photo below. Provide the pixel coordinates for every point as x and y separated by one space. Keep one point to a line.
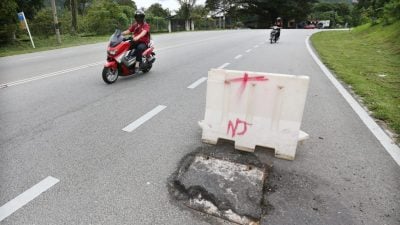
262 13
156 10
376 11
95 17
8 20
105 16
391 11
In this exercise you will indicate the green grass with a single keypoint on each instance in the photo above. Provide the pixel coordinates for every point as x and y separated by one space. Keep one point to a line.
24 45
368 59
43 44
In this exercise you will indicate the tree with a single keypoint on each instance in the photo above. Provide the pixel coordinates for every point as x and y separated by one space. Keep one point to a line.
155 16
81 5
105 16
186 7
338 13
156 10
392 11
223 6
185 12
74 11
42 24
262 13
129 3
8 20
266 11
199 11
29 7
373 8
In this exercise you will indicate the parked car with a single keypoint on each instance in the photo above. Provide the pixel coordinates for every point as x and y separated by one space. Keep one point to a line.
309 26
322 24
306 25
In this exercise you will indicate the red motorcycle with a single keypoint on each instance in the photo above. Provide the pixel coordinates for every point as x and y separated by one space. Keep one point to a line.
119 60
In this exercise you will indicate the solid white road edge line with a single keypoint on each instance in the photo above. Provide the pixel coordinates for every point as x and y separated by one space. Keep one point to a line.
382 137
27 196
238 56
197 83
224 65
137 123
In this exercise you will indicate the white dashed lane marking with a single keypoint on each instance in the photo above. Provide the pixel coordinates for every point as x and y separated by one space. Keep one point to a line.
197 83
224 65
238 56
137 123
27 196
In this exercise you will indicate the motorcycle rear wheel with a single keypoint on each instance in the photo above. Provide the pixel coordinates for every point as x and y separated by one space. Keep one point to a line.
109 75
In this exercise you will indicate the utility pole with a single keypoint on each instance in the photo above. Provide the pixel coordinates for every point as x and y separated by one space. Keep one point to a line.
53 6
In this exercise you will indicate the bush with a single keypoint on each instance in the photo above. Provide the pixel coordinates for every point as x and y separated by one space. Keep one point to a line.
128 11
157 24
104 17
204 24
65 21
42 24
391 11
8 20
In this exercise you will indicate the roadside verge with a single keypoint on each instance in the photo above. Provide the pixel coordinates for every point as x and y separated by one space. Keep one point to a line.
389 144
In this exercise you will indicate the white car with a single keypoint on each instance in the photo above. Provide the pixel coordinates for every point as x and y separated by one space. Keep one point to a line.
323 24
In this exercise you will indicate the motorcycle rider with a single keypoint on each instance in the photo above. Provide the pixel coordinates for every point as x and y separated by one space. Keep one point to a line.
141 37
279 24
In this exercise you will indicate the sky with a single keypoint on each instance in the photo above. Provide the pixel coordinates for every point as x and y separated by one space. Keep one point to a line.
171 4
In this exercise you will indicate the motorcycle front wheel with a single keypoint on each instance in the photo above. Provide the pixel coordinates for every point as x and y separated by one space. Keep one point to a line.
147 68
110 75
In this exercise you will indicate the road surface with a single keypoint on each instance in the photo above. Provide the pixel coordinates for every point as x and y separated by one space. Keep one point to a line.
60 120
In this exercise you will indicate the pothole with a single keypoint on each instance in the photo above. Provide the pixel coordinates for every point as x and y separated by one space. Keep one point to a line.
229 186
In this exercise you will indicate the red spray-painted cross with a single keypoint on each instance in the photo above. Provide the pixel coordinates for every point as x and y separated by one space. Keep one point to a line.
234 128
245 79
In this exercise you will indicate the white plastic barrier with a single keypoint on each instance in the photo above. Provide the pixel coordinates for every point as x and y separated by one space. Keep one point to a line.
251 108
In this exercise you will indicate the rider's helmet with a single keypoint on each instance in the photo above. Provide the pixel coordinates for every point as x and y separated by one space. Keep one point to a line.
278 19
139 16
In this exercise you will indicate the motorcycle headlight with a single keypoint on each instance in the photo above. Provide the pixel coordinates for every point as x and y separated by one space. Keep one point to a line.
112 52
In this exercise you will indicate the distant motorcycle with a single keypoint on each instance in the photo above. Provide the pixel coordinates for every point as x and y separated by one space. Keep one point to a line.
273 38
120 63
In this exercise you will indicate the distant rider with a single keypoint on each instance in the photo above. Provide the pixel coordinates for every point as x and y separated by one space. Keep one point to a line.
141 36
279 24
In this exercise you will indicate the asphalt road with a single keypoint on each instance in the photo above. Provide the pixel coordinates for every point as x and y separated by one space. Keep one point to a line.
68 125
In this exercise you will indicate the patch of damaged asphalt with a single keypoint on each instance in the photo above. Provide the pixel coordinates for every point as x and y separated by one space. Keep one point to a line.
183 195
288 196
299 196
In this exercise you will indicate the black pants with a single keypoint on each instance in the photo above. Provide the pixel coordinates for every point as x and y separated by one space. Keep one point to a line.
139 47
278 34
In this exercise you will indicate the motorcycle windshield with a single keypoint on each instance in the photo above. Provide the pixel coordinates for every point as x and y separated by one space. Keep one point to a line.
116 38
